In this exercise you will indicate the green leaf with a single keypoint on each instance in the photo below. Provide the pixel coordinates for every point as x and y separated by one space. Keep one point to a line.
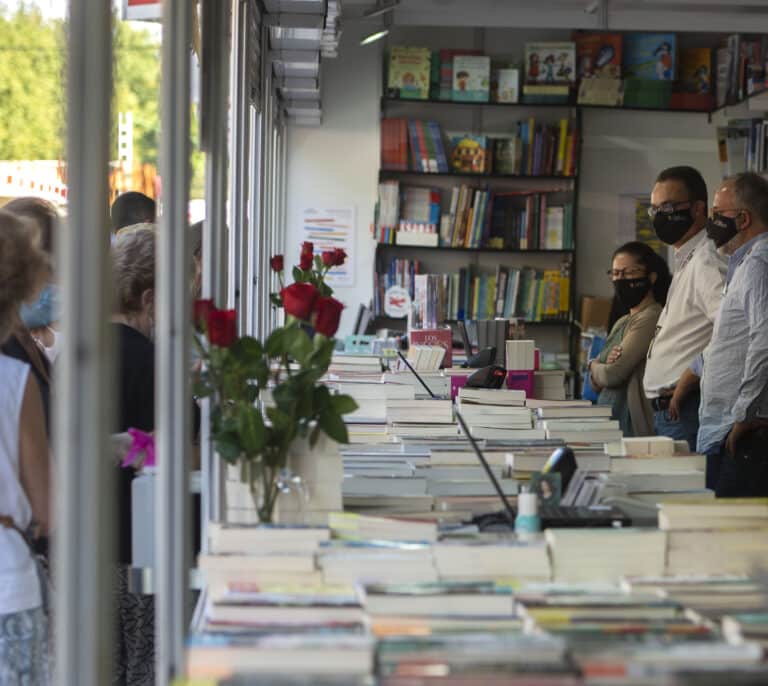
298 275
201 388
333 426
343 404
300 347
227 446
251 429
275 299
280 420
318 263
247 349
277 343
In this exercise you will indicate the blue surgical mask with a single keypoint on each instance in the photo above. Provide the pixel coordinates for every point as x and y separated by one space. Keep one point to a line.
43 311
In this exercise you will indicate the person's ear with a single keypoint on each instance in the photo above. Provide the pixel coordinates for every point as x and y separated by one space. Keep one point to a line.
652 277
746 222
700 209
148 299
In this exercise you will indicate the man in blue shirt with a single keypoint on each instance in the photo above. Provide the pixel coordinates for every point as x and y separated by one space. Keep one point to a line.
735 364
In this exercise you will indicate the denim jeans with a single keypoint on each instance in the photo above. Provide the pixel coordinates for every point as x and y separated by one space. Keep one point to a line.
687 426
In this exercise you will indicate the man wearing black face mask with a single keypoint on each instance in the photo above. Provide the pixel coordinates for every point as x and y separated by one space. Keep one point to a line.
679 213
734 383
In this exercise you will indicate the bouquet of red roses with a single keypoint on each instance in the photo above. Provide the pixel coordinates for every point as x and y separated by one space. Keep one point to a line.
290 362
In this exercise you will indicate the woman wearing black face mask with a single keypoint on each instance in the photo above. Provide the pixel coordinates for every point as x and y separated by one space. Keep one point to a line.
640 280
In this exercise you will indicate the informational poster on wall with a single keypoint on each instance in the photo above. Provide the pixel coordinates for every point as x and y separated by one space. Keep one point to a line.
329 229
635 223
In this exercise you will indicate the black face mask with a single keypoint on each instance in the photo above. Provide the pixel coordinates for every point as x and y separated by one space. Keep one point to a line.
670 228
631 292
721 229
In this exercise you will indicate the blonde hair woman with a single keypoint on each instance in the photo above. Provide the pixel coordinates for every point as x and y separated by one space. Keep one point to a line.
133 320
24 475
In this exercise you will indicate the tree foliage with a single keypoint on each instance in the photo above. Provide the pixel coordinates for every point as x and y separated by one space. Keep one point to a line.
32 88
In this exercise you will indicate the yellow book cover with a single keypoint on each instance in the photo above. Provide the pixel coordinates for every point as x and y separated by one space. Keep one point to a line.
551 306
490 298
561 147
409 70
476 297
540 288
568 154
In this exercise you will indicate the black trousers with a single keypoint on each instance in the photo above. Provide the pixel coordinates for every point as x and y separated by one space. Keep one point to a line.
745 474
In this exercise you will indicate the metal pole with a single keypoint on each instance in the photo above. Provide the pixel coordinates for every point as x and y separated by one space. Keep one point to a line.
238 234
84 494
251 248
215 99
172 393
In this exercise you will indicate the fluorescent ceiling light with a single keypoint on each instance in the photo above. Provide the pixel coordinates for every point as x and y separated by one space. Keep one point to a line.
373 37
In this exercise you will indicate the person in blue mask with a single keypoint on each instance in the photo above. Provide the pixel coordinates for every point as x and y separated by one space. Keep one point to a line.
35 338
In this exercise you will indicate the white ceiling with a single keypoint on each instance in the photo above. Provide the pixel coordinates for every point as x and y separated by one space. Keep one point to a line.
626 15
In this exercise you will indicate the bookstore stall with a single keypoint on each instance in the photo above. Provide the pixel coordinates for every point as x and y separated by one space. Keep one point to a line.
408 260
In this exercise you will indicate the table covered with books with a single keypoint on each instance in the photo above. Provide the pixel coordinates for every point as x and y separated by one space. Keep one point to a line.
405 588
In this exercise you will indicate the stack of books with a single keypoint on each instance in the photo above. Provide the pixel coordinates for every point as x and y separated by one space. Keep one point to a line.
496 414
577 557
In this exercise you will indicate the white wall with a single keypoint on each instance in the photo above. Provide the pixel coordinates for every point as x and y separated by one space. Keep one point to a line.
337 164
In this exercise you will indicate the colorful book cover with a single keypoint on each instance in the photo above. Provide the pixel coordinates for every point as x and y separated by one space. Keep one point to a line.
508 85
550 63
409 73
650 56
468 153
696 70
471 78
598 54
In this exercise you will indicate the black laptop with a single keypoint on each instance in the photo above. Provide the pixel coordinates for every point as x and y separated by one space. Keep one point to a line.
552 517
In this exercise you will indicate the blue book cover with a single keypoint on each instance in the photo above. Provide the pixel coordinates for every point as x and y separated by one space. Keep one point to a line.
650 56
437 137
416 150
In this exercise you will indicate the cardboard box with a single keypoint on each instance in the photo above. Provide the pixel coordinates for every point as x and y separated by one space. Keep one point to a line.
595 312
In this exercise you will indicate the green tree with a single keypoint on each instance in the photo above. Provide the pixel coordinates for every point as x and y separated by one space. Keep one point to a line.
31 92
33 97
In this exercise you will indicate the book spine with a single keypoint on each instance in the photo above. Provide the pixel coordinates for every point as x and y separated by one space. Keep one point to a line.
531 144
437 137
429 163
415 149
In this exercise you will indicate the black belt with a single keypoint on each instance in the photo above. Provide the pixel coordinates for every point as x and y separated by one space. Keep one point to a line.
661 403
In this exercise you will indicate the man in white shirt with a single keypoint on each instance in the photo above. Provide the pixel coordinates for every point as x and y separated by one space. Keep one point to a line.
679 213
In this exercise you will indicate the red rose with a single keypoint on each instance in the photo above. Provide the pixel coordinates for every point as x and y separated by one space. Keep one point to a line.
326 316
200 313
307 248
276 262
298 299
340 256
305 261
222 327
329 258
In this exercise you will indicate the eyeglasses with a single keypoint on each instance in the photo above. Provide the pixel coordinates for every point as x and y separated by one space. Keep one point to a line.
721 210
627 273
667 207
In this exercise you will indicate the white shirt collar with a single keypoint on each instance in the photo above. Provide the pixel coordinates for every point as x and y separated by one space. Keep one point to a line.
683 252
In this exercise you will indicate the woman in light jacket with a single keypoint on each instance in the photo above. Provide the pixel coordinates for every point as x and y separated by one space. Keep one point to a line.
641 281
24 475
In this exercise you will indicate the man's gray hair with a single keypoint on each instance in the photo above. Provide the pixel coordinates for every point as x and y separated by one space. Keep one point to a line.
751 190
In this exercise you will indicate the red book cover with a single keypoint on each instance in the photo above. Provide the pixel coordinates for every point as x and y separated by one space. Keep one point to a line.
598 54
441 337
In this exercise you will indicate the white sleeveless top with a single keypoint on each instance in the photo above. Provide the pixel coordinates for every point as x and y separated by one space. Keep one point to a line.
19 585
